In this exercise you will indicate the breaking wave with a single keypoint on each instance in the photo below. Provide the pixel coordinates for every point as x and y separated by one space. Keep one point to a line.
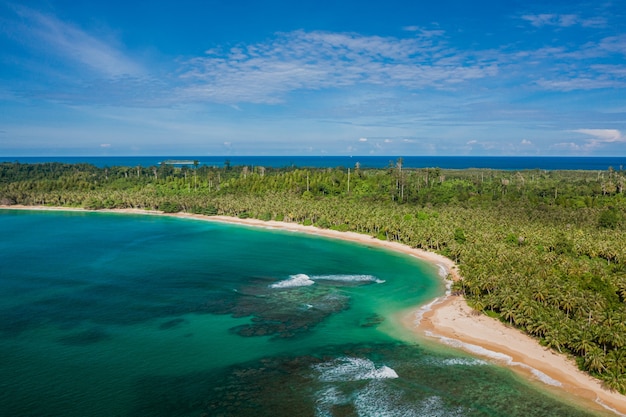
303 280
463 362
377 400
496 356
352 369
298 280
348 278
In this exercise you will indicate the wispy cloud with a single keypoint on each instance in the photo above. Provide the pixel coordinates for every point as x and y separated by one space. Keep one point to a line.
571 82
427 60
593 65
265 73
603 135
73 46
563 20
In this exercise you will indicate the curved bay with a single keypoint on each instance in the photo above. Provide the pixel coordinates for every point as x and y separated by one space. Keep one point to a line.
108 314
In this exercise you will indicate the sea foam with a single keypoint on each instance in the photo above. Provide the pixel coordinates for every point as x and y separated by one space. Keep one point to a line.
348 278
380 401
303 280
463 362
352 369
298 280
377 397
443 271
496 356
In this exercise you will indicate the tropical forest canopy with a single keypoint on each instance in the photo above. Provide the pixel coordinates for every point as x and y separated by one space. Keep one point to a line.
541 250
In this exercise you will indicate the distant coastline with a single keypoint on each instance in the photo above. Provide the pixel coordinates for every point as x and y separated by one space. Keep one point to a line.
444 162
449 320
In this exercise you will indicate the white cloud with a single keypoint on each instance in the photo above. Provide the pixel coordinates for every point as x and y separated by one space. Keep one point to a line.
563 20
597 138
105 145
544 19
50 35
426 33
566 146
362 139
266 73
579 83
614 44
526 142
313 61
603 135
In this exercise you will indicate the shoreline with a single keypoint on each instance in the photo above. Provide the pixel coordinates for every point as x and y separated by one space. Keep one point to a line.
448 319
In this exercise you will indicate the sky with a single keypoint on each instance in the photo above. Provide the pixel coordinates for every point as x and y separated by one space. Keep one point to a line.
323 77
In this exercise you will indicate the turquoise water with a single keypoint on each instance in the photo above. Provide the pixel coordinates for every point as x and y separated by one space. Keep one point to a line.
128 315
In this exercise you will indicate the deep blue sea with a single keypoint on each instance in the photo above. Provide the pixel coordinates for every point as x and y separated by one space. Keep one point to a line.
446 162
107 314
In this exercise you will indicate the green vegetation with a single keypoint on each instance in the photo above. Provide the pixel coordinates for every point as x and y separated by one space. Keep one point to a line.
542 250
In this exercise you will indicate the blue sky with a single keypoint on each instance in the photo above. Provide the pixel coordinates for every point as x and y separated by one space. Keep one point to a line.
312 77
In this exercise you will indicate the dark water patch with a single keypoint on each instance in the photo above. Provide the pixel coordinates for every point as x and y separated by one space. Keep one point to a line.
282 313
372 321
170 324
285 313
85 338
104 304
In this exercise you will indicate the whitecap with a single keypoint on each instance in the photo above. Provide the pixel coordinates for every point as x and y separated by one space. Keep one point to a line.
379 401
478 350
327 399
463 362
298 280
419 314
443 271
542 377
349 278
353 369
599 401
375 400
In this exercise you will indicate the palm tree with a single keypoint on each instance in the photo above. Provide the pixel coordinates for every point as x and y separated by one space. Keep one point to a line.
568 302
555 338
582 342
594 360
510 314
615 380
616 360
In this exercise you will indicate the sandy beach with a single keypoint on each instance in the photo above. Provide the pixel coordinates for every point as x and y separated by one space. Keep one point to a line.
449 320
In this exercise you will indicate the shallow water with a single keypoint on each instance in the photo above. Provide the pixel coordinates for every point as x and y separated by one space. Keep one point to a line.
128 315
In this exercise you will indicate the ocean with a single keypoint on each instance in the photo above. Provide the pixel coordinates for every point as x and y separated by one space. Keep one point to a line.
107 314
445 162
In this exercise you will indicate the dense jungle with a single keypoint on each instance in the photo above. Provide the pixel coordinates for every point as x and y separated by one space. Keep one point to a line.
543 251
